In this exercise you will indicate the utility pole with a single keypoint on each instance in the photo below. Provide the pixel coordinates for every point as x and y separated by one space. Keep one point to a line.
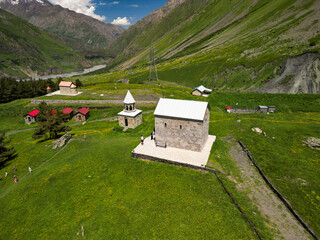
152 66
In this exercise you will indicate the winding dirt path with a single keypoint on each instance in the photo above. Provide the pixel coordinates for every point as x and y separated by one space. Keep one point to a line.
283 223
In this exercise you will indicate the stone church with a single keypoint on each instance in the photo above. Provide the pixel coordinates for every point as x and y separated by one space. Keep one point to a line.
182 124
130 117
67 88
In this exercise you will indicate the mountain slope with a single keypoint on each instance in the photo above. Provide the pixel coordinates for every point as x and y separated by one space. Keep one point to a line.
234 45
154 26
77 30
25 50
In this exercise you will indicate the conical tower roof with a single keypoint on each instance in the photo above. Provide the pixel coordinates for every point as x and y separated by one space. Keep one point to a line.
129 98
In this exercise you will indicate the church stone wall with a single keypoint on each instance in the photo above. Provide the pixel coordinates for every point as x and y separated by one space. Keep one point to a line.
133 122
68 90
182 133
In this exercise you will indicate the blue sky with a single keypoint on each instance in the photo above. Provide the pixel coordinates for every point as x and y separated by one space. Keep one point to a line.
119 12
133 10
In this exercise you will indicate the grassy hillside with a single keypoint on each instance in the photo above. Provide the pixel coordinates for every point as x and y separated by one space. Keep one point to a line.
25 50
234 46
127 193
94 189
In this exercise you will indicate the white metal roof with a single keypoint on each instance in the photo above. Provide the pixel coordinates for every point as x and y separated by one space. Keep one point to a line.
129 98
263 107
185 109
130 114
202 89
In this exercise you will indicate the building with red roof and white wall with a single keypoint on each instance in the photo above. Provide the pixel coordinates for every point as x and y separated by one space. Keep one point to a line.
81 115
68 111
31 117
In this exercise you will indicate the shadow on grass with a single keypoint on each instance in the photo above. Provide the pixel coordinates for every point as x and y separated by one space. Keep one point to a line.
6 162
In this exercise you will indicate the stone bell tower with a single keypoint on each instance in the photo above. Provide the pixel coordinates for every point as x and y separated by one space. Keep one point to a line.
130 117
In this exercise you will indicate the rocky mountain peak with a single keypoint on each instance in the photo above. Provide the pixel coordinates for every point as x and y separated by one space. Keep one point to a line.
174 3
26 2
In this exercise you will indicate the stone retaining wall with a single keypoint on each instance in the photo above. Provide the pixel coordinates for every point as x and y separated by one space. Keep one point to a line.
88 101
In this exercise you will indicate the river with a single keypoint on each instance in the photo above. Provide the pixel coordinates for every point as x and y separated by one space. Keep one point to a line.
66 75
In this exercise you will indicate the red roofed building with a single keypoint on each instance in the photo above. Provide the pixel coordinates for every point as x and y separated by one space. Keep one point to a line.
68 111
67 88
31 117
82 114
49 90
228 109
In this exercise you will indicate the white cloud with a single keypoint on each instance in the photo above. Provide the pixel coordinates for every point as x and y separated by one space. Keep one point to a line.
113 3
121 21
134 5
86 7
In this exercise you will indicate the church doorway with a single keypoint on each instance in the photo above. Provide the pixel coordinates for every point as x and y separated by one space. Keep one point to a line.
126 122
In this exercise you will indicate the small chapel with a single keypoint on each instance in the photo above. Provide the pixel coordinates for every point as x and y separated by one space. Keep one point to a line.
130 117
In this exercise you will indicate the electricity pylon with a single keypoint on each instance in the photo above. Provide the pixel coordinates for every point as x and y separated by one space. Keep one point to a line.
152 66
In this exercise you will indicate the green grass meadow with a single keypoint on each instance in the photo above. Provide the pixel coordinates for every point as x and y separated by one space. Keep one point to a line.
98 186
94 189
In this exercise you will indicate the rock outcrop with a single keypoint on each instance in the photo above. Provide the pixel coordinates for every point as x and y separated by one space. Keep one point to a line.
299 74
61 141
313 143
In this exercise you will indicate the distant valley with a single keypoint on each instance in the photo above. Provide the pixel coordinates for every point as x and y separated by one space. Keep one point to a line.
235 46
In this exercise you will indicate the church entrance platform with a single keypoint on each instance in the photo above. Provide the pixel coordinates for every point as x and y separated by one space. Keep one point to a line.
58 93
149 151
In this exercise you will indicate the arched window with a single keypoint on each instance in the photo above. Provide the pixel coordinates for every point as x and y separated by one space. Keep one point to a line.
165 124
130 108
180 126
127 108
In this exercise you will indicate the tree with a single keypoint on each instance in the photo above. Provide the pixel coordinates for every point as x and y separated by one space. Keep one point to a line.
79 83
49 123
6 153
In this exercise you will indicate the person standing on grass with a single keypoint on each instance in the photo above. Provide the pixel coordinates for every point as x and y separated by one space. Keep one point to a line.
142 139
15 178
6 174
30 170
14 168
